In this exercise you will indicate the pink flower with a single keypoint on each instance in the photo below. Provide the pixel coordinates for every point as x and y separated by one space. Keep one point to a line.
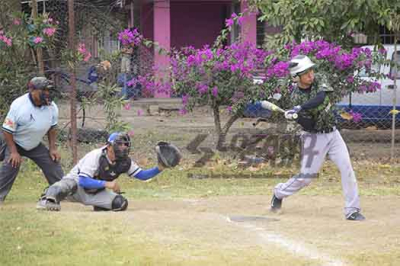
240 20
87 56
82 48
185 99
49 31
127 106
229 109
182 111
214 91
38 40
17 22
6 40
140 112
357 117
229 22
350 79
131 133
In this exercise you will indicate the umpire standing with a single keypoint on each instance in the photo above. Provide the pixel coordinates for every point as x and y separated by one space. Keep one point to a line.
30 118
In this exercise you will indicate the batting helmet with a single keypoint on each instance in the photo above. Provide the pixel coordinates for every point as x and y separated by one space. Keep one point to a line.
118 140
299 65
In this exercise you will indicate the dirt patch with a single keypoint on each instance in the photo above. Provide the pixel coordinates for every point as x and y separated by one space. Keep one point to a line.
311 228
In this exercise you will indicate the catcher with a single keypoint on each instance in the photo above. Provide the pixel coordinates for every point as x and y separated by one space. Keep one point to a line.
93 180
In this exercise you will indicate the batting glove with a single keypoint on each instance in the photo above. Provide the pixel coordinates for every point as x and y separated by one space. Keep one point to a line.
291 114
297 108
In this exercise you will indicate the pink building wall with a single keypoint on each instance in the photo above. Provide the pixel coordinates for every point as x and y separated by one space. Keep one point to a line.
192 23
197 23
147 21
183 23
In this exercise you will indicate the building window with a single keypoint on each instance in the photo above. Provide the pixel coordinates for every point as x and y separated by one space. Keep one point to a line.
387 37
260 32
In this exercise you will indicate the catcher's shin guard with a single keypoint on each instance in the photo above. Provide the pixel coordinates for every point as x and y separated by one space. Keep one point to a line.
119 203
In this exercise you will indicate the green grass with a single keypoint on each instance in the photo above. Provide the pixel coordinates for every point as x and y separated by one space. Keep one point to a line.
83 237
373 179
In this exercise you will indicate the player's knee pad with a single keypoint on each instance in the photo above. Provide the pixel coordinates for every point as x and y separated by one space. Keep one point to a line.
119 203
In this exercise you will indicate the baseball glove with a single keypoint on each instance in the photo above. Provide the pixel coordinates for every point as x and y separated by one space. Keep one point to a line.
168 155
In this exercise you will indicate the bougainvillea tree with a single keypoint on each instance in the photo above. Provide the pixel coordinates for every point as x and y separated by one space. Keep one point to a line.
222 76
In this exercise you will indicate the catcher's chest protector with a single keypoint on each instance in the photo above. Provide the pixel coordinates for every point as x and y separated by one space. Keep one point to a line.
109 172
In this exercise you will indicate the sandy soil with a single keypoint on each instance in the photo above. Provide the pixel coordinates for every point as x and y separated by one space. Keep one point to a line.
311 228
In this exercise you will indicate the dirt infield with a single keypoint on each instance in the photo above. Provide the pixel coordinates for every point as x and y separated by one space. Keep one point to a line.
310 231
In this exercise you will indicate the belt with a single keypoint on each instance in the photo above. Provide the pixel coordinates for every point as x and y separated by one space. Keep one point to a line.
323 131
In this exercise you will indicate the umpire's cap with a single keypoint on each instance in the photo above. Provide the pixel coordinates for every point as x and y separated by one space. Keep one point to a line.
40 83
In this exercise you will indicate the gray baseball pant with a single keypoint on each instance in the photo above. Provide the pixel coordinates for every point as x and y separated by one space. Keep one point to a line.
69 189
315 147
40 155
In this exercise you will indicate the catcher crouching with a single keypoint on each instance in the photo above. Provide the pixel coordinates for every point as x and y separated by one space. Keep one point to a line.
93 180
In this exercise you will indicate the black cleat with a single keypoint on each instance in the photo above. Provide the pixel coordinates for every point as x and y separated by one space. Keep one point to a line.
355 216
46 204
276 204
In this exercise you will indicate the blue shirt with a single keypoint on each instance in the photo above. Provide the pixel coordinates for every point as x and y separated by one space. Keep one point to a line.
29 123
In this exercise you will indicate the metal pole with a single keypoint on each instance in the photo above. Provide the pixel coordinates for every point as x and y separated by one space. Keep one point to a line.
39 51
132 17
394 98
72 47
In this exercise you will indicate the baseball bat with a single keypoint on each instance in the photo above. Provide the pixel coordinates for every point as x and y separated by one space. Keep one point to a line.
275 108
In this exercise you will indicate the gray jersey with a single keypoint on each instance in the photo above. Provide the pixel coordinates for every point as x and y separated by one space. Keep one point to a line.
89 166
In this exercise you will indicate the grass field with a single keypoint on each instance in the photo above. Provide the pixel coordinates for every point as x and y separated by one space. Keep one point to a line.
176 220
188 216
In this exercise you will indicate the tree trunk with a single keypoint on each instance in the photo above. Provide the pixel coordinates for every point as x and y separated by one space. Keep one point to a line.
222 131
217 119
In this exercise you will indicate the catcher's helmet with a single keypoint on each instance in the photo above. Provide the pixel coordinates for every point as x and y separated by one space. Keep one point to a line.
118 140
299 65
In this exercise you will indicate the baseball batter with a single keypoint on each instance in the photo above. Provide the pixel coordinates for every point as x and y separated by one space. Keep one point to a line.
93 180
312 103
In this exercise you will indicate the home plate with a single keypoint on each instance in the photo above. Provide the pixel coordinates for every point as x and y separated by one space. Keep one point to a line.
241 219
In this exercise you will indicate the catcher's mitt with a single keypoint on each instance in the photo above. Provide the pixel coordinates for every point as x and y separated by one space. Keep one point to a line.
168 155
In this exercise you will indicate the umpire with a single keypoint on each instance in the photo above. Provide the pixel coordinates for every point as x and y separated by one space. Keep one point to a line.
31 117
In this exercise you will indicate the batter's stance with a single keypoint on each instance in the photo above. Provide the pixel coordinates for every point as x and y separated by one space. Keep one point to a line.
311 98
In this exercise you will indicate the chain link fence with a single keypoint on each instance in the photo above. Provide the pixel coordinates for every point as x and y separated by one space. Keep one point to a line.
102 88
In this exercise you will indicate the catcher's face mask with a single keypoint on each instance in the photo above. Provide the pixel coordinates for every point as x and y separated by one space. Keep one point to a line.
121 144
